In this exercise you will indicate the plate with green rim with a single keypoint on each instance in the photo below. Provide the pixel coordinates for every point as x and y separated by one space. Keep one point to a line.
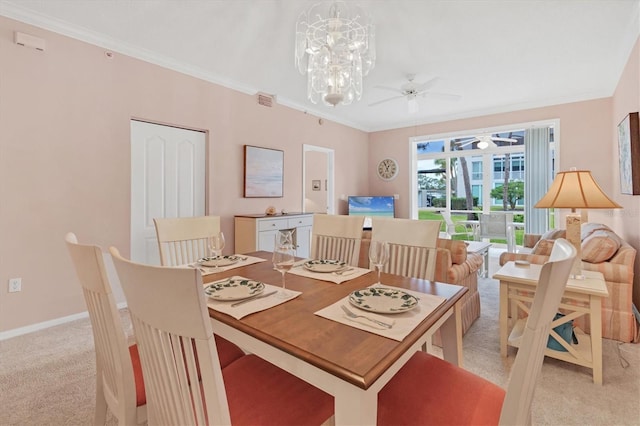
324 265
383 300
219 260
234 288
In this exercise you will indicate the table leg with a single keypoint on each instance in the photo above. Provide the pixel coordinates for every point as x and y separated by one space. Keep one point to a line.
595 318
504 303
355 406
451 334
485 263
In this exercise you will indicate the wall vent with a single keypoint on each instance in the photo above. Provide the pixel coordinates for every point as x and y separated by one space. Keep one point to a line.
265 99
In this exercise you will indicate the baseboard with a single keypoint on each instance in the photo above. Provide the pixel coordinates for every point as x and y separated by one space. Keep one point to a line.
47 324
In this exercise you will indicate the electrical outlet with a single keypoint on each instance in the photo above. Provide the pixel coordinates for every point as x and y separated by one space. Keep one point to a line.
15 284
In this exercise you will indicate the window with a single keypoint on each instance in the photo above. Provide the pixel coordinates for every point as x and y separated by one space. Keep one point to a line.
465 169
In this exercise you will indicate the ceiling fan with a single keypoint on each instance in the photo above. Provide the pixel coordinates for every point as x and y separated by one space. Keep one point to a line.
485 140
411 90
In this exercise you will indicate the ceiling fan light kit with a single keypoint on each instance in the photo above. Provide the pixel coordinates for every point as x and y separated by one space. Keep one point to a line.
335 47
485 141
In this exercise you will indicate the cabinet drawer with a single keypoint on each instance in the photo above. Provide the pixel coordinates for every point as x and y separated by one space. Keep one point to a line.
300 221
269 225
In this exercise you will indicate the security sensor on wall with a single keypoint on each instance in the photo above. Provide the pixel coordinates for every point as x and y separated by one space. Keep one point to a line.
29 41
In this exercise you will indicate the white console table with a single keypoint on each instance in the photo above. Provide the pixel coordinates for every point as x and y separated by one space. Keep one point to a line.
255 232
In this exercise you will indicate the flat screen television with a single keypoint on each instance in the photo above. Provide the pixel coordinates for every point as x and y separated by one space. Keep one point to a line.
371 206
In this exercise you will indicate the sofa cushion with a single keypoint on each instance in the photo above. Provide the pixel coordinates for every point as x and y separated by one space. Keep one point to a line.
543 247
600 246
589 228
554 234
457 248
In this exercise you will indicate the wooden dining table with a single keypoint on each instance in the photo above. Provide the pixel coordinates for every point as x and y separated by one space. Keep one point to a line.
351 364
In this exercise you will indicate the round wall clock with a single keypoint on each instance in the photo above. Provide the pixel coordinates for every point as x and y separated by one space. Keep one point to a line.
387 169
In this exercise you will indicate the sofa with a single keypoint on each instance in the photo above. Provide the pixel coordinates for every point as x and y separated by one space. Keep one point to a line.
603 251
453 265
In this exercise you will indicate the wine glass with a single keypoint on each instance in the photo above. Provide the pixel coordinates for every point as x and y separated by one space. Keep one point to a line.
378 254
283 259
216 244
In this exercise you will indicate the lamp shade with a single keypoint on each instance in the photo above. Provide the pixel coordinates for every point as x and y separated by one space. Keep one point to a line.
576 189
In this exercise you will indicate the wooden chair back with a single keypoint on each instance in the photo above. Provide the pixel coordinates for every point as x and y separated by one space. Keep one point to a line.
176 342
336 237
412 245
115 387
528 364
183 240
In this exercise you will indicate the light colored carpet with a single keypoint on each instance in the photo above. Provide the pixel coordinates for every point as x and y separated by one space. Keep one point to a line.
48 377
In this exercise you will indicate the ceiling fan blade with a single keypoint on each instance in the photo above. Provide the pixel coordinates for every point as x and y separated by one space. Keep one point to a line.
505 139
427 84
444 95
392 89
386 100
467 142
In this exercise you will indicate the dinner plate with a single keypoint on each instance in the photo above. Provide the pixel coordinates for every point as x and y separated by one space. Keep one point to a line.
218 260
234 288
324 265
383 300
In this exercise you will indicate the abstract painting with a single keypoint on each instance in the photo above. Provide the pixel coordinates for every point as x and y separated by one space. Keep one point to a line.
263 172
629 154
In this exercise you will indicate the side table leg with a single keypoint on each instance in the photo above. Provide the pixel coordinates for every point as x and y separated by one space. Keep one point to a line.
595 304
485 264
504 303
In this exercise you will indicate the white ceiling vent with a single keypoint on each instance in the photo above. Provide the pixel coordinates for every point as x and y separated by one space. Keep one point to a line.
265 99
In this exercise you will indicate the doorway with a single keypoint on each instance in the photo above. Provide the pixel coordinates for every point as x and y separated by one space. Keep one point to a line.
318 179
167 180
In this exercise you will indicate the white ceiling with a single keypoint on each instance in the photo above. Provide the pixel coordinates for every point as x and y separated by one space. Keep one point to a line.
498 55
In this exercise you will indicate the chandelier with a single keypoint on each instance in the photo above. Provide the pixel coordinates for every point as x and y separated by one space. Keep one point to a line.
335 47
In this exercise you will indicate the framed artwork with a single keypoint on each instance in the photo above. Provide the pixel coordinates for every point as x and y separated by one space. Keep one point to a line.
263 172
629 153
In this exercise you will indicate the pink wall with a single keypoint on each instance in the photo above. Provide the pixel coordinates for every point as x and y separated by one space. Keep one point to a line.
65 157
626 99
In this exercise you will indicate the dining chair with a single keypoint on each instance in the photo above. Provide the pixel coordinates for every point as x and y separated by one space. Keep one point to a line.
497 226
177 350
183 240
444 394
336 237
412 245
119 382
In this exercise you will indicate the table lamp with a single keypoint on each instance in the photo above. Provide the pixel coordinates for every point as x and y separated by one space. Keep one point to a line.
575 189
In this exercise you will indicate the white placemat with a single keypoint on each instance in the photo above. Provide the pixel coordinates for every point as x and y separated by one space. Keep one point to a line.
403 323
334 277
244 261
252 306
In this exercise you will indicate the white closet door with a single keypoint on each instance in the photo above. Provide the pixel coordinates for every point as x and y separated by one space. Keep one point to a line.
167 180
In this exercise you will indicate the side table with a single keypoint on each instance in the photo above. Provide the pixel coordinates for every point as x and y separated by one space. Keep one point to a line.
482 249
581 297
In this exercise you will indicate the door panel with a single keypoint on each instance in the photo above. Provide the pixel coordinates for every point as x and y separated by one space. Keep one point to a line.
167 180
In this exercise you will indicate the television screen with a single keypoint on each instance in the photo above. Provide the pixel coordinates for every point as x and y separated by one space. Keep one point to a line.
371 206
